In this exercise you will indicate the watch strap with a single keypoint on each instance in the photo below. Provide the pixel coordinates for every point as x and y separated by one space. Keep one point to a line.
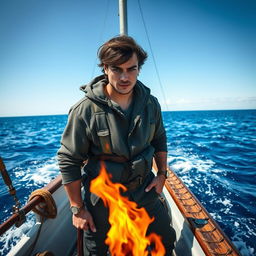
76 209
162 172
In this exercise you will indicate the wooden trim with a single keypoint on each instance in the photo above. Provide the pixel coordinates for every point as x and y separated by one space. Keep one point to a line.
51 187
210 236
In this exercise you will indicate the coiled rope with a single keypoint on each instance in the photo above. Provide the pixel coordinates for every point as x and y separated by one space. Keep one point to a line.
48 208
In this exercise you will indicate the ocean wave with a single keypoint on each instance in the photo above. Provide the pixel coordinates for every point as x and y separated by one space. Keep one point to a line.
38 174
213 152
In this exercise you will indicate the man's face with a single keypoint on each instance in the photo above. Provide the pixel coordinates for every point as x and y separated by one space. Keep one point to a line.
122 78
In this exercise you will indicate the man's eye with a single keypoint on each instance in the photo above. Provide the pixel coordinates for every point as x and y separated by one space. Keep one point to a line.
115 69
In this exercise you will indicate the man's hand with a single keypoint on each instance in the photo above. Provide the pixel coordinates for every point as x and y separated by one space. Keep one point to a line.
157 183
83 220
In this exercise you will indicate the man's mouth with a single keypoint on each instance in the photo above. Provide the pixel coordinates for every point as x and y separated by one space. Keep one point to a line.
124 84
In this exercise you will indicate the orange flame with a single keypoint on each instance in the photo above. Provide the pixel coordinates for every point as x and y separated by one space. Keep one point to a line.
127 234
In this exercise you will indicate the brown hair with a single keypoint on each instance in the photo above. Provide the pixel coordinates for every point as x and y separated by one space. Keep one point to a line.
120 49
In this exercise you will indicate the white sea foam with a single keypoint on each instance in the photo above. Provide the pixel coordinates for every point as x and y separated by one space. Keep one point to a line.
203 165
182 167
227 202
187 180
236 224
19 173
45 174
39 175
176 158
216 170
230 124
249 227
227 205
209 191
216 216
11 237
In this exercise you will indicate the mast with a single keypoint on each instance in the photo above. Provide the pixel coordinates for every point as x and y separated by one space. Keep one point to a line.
123 17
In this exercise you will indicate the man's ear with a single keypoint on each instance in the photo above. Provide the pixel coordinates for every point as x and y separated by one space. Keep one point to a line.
105 67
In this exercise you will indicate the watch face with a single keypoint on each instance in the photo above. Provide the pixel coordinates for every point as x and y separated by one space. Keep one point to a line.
74 210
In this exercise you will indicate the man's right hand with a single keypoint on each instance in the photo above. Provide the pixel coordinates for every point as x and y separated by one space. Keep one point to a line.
83 220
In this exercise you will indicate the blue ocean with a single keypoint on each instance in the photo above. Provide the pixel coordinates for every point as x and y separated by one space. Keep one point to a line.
213 152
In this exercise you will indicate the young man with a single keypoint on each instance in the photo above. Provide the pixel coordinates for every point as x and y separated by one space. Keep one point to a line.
118 122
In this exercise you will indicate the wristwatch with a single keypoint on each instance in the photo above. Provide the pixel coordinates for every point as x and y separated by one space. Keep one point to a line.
165 173
75 210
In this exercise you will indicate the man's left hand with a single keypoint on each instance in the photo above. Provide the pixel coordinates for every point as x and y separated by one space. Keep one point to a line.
157 183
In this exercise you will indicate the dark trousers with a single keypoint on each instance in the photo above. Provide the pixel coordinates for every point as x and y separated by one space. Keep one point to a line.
94 242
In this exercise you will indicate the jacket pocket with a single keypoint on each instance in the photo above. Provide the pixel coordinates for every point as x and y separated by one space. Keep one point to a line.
104 137
103 132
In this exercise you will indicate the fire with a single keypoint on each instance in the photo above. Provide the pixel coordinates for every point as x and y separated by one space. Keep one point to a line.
127 234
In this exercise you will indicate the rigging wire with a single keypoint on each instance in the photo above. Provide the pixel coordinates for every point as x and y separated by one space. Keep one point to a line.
152 54
101 37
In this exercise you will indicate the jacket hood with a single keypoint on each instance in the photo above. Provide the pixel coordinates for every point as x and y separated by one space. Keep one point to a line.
95 91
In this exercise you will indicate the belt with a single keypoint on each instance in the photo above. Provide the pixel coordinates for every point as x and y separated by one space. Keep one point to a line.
118 159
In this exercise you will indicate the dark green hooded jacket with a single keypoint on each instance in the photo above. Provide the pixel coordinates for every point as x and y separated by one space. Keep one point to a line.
95 117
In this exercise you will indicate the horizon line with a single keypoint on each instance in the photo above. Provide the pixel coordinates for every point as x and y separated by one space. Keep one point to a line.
190 110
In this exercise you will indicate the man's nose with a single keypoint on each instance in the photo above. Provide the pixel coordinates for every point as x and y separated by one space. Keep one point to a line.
124 76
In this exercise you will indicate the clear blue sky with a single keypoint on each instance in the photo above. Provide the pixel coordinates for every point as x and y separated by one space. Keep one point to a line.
205 51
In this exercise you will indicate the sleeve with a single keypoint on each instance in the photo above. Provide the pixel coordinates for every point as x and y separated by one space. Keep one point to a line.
74 147
159 141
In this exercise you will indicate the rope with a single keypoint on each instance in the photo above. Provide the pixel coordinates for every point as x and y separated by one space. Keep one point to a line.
153 57
48 208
